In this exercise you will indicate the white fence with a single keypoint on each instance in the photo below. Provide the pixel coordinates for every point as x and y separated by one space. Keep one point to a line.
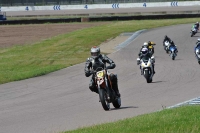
100 6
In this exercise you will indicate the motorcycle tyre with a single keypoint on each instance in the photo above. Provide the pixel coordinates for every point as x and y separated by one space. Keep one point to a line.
192 34
146 75
105 104
117 103
173 57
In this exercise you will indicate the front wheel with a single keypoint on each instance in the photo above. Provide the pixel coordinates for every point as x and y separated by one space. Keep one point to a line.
192 34
103 99
173 57
147 76
117 102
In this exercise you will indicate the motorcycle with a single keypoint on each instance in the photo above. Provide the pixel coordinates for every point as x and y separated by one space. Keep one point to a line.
146 66
166 46
193 31
197 54
106 93
173 52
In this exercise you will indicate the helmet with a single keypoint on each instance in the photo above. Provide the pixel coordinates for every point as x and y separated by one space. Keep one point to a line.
144 51
145 44
197 22
198 40
197 51
166 36
171 42
95 52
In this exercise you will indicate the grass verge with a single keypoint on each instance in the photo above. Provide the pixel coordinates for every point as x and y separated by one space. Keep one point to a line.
185 119
21 62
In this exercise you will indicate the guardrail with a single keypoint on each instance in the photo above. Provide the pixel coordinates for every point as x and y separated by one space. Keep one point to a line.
103 6
90 19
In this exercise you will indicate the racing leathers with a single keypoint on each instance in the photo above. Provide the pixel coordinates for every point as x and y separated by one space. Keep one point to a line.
197 45
166 39
151 46
92 64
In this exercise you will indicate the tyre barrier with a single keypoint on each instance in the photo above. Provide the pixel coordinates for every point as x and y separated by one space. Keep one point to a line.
91 19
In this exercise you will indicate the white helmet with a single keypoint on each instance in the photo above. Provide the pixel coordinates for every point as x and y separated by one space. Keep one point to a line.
145 44
198 40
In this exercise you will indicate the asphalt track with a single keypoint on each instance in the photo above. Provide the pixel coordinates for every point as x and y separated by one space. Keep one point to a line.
62 101
93 12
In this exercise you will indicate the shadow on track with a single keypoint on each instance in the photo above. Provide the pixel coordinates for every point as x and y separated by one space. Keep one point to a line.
124 107
157 81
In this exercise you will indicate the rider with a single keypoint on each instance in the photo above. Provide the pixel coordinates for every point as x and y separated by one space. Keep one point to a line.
99 60
145 53
197 43
150 45
196 26
172 44
166 38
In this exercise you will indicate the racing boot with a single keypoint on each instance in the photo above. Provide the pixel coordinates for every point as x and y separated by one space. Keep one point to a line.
93 87
141 71
153 70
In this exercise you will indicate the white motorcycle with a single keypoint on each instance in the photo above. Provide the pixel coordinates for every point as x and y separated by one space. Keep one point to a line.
146 66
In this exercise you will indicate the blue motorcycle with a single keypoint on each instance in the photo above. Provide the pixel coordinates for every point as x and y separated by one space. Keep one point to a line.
197 53
173 52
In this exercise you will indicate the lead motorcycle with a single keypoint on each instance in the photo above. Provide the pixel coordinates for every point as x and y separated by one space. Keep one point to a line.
146 66
197 54
173 51
106 93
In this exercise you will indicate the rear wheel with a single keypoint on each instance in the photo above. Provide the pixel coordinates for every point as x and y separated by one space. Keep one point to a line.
103 99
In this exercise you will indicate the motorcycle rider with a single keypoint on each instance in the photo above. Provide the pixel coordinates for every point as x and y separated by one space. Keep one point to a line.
196 26
99 60
172 44
145 53
197 43
166 38
151 46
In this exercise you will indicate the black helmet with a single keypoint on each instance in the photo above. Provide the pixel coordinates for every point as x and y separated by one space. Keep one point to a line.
166 36
95 52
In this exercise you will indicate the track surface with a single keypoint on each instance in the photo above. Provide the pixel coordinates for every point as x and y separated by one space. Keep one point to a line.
102 11
62 101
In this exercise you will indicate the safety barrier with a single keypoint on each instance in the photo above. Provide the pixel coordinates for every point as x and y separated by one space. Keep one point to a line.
98 6
111 18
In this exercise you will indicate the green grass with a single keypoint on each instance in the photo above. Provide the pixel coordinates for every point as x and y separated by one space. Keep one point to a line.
184 119
21 62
